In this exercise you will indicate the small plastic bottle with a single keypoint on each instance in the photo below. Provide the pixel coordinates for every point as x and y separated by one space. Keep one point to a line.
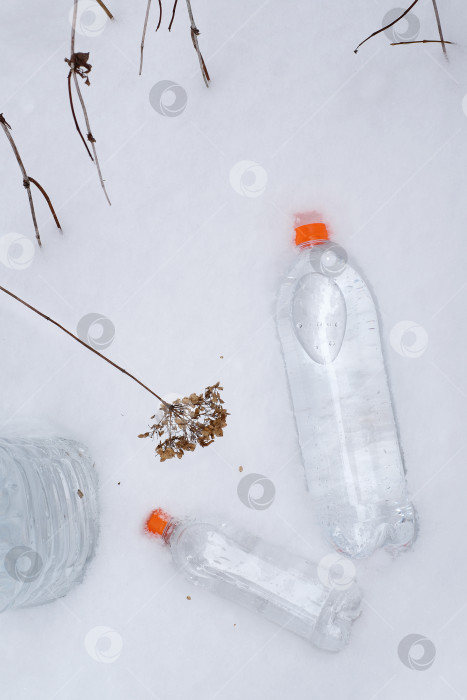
328 326
48 518
282 587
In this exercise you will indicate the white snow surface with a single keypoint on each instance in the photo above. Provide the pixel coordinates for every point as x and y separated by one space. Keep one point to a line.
187 269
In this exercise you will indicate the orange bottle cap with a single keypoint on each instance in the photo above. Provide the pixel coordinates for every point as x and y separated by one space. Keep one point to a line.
158 521
308 233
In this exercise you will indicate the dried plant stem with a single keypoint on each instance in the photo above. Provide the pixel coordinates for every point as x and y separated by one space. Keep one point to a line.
145 29
7 128
160 15
194 38
27 181
91 138
421 41
438 22
144 36
47 199
106 10
70 96
173 14
27 185
79 67
73 26
81 342
406 12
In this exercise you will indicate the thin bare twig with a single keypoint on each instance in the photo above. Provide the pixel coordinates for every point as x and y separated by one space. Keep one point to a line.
173 14
81 342
194 420
47 199
194 37
106 10
440 31
27 181
144 36
91 138
145 29
421 41
387 26
70 96
73 27
160 15
79 66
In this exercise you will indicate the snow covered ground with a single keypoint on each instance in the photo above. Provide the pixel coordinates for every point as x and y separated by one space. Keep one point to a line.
186 264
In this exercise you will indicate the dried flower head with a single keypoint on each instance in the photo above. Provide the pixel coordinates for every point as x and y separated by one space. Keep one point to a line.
79 65
194 420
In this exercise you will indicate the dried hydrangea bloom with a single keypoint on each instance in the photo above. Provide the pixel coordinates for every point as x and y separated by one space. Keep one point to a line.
194 420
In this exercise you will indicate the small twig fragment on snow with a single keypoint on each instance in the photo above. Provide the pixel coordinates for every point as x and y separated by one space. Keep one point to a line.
406 12
106 10
421 41
27 181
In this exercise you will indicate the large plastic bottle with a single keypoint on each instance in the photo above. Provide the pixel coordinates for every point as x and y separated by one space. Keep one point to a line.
284 588
328 326
48 518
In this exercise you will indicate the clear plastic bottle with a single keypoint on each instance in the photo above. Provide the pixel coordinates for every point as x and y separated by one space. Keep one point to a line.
283 587
48 518
328 327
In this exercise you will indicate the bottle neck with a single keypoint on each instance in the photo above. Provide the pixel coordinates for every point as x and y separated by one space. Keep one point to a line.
169 530
312 244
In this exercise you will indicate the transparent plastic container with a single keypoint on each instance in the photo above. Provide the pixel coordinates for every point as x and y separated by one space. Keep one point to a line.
283 587
48 518
328 326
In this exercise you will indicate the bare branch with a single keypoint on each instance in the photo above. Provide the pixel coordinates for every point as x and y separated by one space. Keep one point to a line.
438 22
173 14
27 186
73 27
160 15
7 128
90 137
47 199
145 29
194 37
194 420
106 10
79 66
422 41
27 180
81 342
387 26
144 36
70 96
